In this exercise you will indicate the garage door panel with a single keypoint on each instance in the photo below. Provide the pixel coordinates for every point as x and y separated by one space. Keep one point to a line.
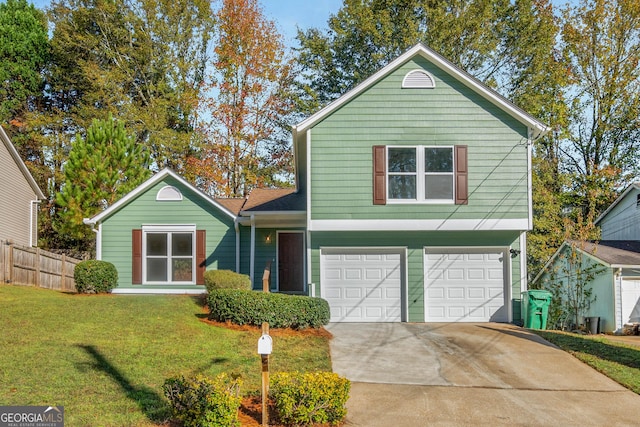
373 274
369 282
476 274
454 274
476 293
455 293
333 274
473 283
352 293
437 293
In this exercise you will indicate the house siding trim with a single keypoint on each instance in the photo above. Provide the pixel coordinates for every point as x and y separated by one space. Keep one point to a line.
419 225
156 291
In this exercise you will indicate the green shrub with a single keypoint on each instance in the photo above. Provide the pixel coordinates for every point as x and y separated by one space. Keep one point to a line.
280 310
95 277
313 397
204 402
226 279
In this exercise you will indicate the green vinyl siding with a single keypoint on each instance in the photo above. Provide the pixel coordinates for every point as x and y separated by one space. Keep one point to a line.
415 242
451 114
193 209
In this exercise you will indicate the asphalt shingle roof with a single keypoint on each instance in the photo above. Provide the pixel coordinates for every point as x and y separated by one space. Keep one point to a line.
617 252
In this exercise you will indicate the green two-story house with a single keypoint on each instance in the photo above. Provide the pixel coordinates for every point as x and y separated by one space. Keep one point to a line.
412 202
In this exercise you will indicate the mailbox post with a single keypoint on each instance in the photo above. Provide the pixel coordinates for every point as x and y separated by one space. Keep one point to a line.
265 346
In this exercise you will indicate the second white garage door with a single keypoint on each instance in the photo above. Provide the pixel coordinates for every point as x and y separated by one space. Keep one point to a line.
630 301
362 285
465 286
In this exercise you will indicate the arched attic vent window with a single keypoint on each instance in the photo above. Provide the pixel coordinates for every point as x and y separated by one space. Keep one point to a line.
169 192
418 79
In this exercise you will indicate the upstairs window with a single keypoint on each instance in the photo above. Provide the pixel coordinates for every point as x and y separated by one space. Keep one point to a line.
423 174
420 174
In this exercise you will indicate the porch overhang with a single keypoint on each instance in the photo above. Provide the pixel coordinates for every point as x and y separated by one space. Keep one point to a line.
273 219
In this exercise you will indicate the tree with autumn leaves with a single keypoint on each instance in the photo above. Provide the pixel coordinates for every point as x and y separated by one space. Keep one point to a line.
247 105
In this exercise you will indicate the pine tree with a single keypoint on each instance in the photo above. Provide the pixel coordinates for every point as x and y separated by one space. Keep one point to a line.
101 168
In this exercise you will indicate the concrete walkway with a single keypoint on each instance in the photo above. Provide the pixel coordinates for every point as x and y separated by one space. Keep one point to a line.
407 374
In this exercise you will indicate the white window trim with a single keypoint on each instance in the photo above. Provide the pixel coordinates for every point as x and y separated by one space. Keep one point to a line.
420 174
169 229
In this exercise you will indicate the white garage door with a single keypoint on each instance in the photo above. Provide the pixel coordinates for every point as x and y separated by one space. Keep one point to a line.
465 286
362 285
630 301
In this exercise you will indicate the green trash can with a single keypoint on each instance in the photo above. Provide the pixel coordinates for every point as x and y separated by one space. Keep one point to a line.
535 308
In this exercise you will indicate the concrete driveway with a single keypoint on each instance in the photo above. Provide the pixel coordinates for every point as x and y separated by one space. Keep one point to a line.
417 374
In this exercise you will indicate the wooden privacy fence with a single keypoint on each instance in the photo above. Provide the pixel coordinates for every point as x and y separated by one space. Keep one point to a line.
21 265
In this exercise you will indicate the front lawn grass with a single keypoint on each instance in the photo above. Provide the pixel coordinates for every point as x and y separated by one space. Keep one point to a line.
619 362
105 358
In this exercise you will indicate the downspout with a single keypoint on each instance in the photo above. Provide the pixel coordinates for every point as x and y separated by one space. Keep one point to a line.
98 241
530 177
236 225
98 232
31 222
253 248
619 319
524 274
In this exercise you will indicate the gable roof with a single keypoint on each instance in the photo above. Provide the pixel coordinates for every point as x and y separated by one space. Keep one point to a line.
148 184
274 199
439 61
635 185
18 161
232 205
614 253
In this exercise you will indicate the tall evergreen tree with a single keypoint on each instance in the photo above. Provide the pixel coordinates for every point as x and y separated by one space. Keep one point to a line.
101 168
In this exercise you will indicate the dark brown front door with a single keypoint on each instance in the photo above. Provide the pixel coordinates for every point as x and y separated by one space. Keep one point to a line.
291 262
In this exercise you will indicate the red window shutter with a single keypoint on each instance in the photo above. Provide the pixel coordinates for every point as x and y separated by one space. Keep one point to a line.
136 256
201 256
462 191
379 175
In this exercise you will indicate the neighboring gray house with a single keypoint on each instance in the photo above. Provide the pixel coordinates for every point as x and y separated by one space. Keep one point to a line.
617 286
19 196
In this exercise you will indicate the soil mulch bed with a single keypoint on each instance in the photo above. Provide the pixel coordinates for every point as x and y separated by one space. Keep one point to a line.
251 414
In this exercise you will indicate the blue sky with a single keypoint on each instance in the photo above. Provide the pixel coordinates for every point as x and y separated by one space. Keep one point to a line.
288 14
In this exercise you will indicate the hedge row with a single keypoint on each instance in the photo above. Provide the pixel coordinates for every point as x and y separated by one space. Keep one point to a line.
280 310
226 279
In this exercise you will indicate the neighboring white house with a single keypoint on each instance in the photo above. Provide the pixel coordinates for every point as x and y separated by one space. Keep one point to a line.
617 286
19 196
